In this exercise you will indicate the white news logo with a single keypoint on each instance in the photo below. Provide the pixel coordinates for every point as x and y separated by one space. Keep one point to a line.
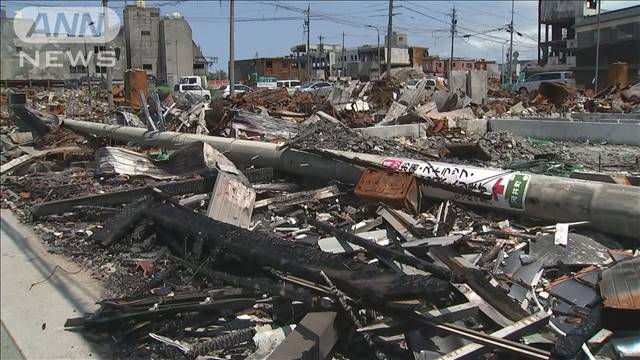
65 25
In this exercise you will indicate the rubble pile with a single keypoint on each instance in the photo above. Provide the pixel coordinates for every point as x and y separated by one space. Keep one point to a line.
553 99
295 234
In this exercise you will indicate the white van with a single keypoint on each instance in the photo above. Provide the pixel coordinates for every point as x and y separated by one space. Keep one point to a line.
290 85
194 80
193 89
533 82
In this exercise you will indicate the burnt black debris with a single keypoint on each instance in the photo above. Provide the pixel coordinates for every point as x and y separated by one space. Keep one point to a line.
202 257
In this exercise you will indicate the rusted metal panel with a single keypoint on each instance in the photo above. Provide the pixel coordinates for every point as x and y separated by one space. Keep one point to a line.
56 109
620 285
618 73
397 189
135 80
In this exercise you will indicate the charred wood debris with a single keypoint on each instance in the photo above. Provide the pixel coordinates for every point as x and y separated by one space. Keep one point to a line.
203 258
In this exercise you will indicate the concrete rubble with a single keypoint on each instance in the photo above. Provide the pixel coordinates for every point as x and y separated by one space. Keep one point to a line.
278 226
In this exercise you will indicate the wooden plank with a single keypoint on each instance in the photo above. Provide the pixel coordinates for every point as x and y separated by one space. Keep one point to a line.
232 200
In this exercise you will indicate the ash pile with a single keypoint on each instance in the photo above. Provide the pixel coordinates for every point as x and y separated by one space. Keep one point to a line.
268 226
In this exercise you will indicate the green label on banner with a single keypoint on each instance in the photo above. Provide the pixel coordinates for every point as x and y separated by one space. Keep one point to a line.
516 191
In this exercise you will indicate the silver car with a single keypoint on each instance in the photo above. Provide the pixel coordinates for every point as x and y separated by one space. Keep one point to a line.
316 88
533 82
237 89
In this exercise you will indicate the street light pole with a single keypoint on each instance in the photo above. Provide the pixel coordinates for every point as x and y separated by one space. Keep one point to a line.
84 39
107 45
597 50
511 43
378 48
232 58
502 58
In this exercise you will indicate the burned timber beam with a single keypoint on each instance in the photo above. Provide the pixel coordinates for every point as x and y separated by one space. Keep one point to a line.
379 250
263 251
609 208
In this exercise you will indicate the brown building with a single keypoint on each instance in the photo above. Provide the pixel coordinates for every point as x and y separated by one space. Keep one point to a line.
250 71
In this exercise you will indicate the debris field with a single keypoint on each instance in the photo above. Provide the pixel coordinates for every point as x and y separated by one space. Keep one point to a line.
273 226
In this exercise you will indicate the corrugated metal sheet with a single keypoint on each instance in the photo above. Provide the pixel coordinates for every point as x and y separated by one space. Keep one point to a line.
620 285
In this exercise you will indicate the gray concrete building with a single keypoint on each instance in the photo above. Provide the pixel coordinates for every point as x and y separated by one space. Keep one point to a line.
142 31
179 55
160 45
619 42
27 62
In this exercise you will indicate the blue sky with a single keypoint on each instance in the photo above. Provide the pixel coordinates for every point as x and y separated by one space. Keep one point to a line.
271 28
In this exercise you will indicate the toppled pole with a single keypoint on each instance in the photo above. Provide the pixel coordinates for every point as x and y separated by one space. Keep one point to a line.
609 208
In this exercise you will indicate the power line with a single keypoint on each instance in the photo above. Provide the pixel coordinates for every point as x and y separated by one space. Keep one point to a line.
426 15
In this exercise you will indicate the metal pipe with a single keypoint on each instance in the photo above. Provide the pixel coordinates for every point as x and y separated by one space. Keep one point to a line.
609 208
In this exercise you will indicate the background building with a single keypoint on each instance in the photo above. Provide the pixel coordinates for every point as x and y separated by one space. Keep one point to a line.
179 55
162 46
438 66
619 42
12 46
558 17
142 27
250 71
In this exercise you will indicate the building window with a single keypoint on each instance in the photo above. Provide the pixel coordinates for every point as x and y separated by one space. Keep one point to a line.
198 66
268 64
147 67
625 31
78 69
146 32
18 48
154 14
469 65
101 69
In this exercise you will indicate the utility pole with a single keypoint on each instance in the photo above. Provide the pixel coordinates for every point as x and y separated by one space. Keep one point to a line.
378 48
389 34
307 24
107 46
597 49
344 59
454 22
232 70
511 43
320 57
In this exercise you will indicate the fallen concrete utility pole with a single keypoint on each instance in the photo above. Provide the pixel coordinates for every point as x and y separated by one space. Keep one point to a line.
239 151
609 208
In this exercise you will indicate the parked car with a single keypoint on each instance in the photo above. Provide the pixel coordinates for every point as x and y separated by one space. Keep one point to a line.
237 89
316 88
290 85
533 82
193 89
413 84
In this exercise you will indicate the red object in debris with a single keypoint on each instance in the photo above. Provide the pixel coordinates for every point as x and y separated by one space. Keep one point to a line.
394 188
497 189
146 265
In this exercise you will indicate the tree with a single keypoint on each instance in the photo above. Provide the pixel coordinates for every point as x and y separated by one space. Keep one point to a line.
218 75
